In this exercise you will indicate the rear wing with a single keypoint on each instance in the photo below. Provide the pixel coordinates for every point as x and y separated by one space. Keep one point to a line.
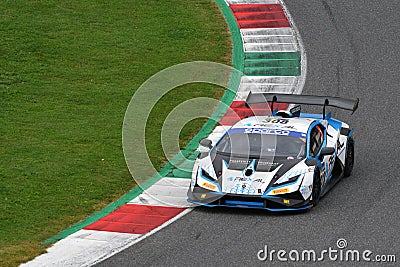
338 102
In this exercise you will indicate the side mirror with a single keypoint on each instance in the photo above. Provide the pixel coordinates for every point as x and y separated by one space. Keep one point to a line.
327 151
206 143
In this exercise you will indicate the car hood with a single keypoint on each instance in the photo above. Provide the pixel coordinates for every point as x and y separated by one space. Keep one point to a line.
249 176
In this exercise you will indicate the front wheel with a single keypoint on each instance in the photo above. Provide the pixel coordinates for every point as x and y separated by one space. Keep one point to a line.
316 190
349 161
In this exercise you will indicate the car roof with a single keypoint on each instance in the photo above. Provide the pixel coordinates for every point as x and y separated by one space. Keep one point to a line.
296 124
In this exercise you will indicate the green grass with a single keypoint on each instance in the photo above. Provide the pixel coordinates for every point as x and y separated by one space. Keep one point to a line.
67 73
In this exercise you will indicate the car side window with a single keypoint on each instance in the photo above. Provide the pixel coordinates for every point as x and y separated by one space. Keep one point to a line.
316 140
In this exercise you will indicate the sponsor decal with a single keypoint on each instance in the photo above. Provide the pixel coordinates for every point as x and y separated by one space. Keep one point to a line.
267 163
272 131
203 195
259 180
239 161
287 127
209 186
265 125
305 189
240 179
280 191
240 189
259 191
246 162
286 201
267 131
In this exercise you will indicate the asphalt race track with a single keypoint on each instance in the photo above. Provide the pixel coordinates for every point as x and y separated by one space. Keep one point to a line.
353 50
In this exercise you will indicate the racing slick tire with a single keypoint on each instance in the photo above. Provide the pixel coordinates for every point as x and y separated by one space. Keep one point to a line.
349 160
316 189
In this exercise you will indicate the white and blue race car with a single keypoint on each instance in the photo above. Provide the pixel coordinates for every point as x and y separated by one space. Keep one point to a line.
284 161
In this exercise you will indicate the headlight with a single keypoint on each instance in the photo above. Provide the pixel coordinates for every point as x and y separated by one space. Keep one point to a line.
205 180
206 175
287 179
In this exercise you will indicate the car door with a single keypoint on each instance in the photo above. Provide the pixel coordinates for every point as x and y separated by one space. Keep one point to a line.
316 142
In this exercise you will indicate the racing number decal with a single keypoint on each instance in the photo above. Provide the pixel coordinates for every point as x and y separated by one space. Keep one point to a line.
276 120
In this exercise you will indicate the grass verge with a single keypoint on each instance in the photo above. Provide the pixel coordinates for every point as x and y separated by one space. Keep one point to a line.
67 73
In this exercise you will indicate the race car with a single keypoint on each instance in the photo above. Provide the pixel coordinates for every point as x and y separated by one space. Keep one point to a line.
286 160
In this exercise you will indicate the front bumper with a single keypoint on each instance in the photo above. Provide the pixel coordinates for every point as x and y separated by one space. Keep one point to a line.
284 202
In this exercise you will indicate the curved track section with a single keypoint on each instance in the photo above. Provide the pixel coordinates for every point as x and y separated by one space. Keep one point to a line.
268 50
273 57
353 50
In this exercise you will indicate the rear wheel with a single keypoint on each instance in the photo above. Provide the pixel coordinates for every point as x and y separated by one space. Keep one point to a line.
316 190
349 161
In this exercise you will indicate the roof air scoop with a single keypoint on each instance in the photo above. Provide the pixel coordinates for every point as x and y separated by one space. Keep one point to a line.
293 112
248 172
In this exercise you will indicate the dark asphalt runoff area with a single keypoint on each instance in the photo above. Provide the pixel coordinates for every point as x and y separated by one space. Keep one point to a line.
353 50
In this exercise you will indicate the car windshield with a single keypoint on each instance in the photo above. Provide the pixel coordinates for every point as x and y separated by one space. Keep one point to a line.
261 145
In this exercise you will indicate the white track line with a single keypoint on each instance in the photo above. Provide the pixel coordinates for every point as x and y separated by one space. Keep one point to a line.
133 242
303 54
80 248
